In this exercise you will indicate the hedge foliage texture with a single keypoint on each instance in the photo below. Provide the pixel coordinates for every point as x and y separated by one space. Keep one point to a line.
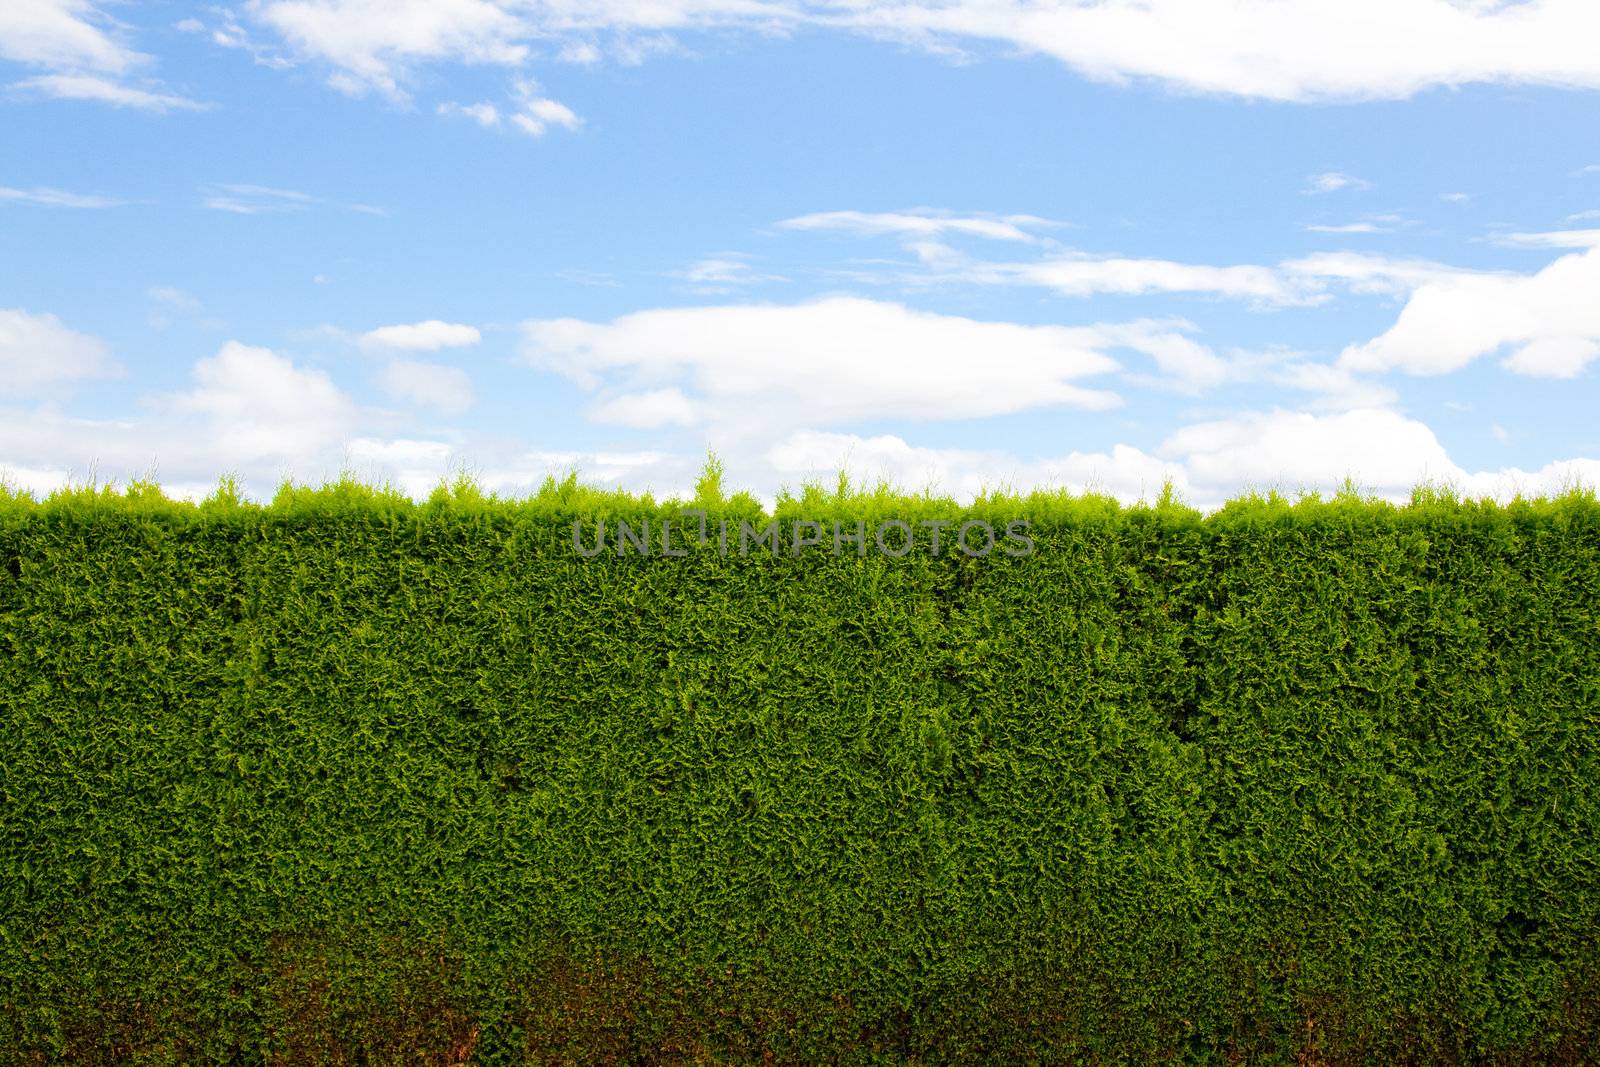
347 778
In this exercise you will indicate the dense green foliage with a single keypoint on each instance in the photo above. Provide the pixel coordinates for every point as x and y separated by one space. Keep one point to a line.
345 778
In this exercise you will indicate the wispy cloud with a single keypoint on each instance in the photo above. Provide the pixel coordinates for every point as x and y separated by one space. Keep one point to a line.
484 114
244 199
105 91
48 197
921 223
1333 181
1348 227
530 112
1551 239
725 270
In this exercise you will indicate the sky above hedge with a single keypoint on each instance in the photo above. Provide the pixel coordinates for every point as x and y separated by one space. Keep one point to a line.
1101 246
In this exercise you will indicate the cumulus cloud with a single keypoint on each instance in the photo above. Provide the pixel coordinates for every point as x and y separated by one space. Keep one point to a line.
1382 452
249 411
39 353
1123 471
831 360
1380 448
1550 322
428 336
261 406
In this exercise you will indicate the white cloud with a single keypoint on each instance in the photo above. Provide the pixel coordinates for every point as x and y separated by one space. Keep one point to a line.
371 45
580 52
1333 388
375 46
1550 321
104 91
484 114
833 360
1293 50
720 272
1125 472
1549 480
1383 453
429 336
47 197
40 481
260 406
1372 274
1455 198
1332 181
62 35
1307 280
432 454
38 352
175 298
169 301
255 199
83 53
646 411
1088 275
1553 239
416 467
1348 227
922 223
1584 216
1380 449
538 113
532 113
445 389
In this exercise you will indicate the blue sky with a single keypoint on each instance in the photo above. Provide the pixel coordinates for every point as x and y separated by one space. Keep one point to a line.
1236 245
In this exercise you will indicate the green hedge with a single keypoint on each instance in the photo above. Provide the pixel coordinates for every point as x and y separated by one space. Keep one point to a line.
347 778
